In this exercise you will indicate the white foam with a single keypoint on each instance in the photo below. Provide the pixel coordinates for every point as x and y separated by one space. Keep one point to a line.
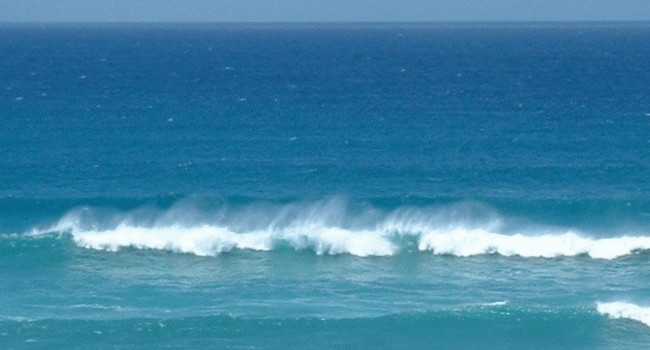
497 303
468 242
202 241
209 241
625 310
328 228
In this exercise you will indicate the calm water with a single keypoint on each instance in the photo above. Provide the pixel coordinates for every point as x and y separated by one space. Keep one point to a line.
421 186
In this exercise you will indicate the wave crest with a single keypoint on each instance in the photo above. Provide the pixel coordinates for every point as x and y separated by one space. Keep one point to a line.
332 227
625 310
208 241
463 242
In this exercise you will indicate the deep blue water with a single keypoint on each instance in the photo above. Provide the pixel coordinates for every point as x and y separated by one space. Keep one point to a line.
294 186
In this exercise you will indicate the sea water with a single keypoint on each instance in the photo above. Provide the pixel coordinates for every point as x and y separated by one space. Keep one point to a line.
325 186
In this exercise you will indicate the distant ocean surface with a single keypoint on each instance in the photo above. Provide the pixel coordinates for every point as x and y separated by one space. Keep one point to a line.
325 186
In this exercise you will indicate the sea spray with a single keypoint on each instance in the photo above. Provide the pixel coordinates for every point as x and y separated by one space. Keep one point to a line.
328 227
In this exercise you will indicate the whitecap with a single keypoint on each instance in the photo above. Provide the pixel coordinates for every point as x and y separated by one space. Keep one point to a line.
328 227
617 310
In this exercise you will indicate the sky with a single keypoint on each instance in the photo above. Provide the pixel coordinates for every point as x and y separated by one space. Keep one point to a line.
321 10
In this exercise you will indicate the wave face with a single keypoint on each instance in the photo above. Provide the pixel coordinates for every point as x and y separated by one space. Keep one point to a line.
333 226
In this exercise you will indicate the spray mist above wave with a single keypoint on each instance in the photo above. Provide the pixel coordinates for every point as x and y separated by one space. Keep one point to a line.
331 227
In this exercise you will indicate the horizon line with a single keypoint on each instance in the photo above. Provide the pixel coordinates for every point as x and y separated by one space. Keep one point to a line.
264 22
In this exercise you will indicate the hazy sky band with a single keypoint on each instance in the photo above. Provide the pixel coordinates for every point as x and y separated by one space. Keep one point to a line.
321 10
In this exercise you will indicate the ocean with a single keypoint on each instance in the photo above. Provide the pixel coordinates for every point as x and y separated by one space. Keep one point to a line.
325 186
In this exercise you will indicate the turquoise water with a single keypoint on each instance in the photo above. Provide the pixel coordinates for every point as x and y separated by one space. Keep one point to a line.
420 186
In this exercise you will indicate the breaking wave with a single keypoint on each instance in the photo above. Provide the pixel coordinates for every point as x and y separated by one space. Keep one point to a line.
331 227
625 310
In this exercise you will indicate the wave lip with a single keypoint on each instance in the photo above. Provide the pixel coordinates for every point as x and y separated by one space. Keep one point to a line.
630 311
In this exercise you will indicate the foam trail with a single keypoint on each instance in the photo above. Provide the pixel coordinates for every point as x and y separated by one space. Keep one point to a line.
630 311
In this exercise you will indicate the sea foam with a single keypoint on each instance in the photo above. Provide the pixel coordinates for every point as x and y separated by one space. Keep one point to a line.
625 310
464 242
328 228
208 240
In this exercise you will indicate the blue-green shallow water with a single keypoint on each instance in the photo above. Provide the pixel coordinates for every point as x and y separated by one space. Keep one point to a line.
482 329
438 186
135 299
